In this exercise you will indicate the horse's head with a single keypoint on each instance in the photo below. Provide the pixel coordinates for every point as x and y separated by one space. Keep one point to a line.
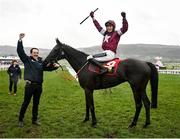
56 53
75 57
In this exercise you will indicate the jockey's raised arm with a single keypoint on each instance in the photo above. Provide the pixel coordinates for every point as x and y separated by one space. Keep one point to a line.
124 27
97 25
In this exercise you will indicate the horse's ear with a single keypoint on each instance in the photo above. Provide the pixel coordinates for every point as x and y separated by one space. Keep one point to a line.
57 41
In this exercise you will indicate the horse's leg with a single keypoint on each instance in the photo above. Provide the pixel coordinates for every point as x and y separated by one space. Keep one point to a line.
146 103
138 103
87 108
92 110
90 102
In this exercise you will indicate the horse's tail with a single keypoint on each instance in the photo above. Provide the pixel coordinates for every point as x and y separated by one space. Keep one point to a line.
154 85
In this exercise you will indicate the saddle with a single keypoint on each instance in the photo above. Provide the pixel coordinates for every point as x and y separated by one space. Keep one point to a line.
111 65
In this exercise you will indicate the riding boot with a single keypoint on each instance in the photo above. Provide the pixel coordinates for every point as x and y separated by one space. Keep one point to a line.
103 70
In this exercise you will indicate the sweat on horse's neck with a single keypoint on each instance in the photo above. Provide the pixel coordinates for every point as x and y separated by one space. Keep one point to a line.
76 58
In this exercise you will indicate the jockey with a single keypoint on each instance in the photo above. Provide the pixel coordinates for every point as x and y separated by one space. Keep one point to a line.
110 41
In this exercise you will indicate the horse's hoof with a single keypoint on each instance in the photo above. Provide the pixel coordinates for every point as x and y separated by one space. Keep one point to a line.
132 125
94 125
154 106
85 120
146 125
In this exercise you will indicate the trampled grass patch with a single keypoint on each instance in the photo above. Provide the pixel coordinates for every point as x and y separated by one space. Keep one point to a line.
62 110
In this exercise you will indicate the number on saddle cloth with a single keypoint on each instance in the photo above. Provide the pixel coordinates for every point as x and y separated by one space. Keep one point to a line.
110 65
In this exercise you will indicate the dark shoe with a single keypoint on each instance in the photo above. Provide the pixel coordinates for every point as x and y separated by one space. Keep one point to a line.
21 123
36 123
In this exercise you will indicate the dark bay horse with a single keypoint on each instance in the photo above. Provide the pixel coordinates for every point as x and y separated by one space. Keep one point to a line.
136 73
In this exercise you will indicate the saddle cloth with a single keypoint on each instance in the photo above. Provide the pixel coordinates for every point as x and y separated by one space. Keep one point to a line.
111 65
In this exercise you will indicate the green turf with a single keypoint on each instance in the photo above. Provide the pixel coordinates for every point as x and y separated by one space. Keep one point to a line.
62 110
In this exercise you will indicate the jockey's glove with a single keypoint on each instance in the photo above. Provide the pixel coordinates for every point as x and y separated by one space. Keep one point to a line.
91 14
123 14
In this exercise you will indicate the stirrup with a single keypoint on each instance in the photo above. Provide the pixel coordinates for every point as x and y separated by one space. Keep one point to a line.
103 71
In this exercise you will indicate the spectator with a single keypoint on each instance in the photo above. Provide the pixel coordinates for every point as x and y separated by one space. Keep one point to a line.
14 72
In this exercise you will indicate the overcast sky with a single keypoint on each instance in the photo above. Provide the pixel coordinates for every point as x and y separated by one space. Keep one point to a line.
150 21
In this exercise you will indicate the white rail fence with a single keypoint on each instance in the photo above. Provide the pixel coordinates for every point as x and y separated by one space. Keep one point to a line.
169 71
5 67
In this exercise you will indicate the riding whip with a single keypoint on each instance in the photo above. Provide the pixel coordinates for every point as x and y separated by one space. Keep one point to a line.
88 16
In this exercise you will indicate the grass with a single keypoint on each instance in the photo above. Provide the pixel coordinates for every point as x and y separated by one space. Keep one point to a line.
62 110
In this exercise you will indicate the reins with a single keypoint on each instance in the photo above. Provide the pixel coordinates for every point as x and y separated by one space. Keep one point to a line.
81 69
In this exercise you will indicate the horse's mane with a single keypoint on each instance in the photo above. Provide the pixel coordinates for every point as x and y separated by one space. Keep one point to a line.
73 51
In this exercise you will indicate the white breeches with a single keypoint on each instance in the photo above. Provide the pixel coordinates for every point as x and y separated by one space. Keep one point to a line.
109 56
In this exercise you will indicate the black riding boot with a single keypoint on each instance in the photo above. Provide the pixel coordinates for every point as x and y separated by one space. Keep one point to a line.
95 62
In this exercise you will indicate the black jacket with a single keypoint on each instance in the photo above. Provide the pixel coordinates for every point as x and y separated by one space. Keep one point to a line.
14 72
33 69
